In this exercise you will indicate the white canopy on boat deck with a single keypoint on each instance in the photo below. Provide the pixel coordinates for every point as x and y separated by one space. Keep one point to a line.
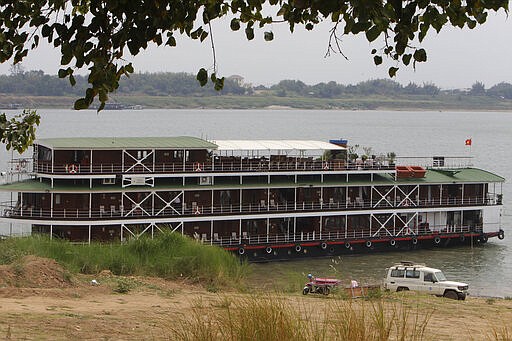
281 145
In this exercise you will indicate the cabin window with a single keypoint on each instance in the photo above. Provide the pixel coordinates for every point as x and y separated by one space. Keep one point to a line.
57 199
412 274
428 277
397 273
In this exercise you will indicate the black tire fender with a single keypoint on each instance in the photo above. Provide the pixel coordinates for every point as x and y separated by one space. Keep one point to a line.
501 234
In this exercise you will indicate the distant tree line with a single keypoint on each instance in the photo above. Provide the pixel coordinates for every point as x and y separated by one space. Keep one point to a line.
37 83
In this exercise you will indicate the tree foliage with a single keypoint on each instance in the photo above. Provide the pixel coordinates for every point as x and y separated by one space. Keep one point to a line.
95 35
19 132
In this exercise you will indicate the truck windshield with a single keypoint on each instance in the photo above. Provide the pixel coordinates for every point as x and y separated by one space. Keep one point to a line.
440 276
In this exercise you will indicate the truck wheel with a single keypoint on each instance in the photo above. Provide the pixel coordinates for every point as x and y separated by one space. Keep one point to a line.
402 289
451 295
326 291
305 291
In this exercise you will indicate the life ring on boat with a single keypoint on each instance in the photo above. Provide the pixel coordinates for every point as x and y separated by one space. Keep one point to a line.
392 242
414 240
72 169
462 238
323 246
437 240
298 248
241 251
197 167
368 243
347 245
268 249
326 166
501 234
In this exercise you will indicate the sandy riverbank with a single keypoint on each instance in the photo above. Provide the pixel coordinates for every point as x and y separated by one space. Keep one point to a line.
49 305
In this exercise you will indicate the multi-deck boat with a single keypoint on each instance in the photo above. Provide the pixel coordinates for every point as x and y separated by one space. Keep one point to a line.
261 199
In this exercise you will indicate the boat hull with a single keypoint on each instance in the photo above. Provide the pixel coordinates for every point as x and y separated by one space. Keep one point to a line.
303 250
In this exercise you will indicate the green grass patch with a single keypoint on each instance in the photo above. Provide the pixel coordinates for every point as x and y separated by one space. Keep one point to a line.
169 255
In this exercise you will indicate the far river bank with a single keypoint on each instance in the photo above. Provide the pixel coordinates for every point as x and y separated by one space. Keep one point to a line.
374 102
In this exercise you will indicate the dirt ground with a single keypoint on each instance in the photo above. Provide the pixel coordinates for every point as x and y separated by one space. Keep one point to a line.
40 301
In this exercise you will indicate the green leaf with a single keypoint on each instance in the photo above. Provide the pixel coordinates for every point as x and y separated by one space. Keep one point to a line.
219 84
235 24
406 58
373 33
249 32
374 51
72 80
62 73
202 77
377 60
420 55
81 104
392 71
269 36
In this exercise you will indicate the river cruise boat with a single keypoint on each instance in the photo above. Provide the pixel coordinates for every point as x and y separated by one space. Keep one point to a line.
261 199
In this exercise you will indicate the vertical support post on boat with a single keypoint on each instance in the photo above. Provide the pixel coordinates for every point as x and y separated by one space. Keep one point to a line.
51 232
90 204
440 194
89 237
268 198
211 232
295 200
122 160
321 196
153 151
240 231
268 228
321 224
346 226
294 227
90 164
153 203
211 204
462 194
346 196
184 165
53 161
371 195
241 202
371 223
51 204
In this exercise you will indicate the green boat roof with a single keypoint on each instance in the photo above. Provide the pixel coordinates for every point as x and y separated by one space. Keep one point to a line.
466 175
176 142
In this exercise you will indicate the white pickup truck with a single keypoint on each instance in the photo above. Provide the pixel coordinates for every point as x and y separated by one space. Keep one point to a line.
418 277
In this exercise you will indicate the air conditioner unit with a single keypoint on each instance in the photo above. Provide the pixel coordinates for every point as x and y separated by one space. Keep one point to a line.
205 180
109 181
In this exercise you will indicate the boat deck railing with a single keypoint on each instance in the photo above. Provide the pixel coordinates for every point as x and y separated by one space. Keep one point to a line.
339 235
46 167
12 209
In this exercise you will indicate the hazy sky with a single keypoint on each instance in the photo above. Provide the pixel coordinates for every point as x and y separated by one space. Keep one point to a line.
456 58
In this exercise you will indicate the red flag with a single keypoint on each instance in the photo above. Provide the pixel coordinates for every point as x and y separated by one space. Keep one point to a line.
468 142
